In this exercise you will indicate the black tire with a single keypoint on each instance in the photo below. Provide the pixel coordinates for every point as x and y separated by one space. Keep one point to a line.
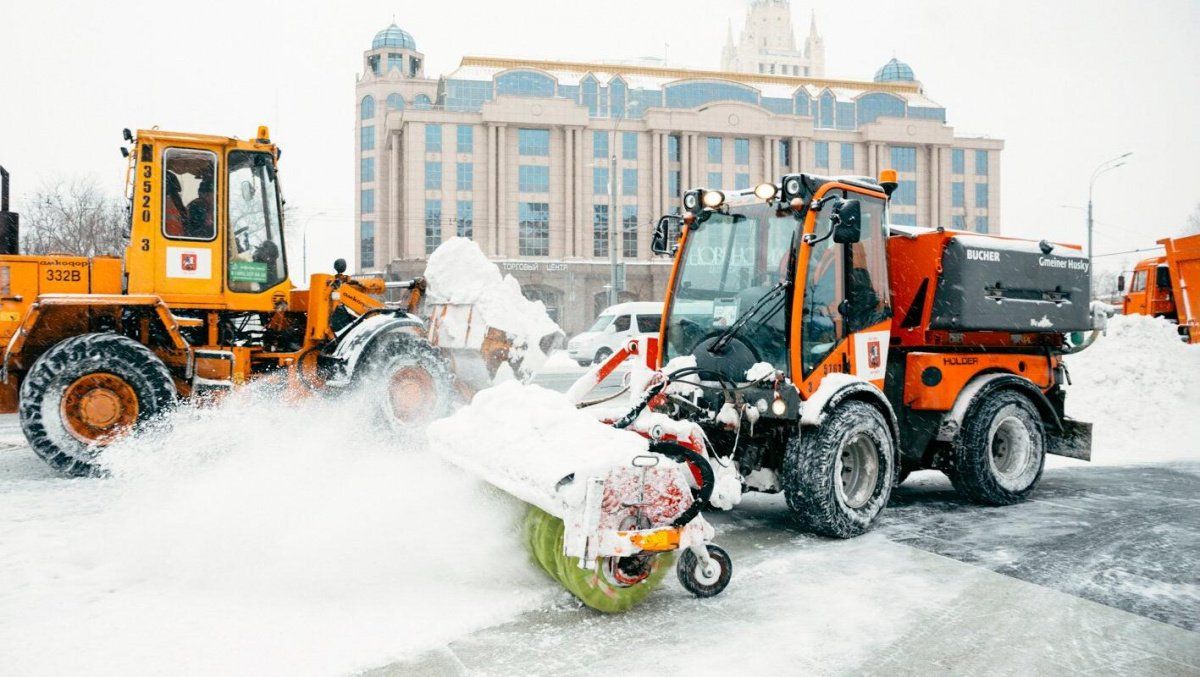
692 578
389 356
602 355
44 389
583 363
852 450
998 455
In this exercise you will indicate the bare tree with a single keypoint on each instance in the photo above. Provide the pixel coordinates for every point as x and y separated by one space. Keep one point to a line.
73 217
1192 225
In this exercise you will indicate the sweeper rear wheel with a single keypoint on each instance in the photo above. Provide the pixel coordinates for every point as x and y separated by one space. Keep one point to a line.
703 582
611 587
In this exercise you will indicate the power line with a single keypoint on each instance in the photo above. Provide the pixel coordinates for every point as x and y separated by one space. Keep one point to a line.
1131 251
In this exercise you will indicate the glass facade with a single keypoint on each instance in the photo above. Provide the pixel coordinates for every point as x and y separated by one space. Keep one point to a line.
366 244
904 158
465 139
876 105
433 138
599 230
367 109
533 179
957 162
785 154
464 176
600 180
714 180
464 219
906 193
741 181
467 95
903 219
589 94
533 142
673 181
714 150
629 231
366 138
433 225
524 83
981 224
366 169
821 153
741 151
600 145
847 163
618 98
629 144
533 235
981 163
422 102
395 102
959 222
629 182
366 200
673 148
698 93
958 194
981 195
433 175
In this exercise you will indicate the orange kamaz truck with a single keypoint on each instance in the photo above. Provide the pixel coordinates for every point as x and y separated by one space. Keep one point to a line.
1168 286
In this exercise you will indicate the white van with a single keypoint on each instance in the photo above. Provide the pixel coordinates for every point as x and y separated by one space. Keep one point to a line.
615 325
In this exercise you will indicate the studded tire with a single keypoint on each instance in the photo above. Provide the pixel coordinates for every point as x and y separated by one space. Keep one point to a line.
998 456
87 391
838 476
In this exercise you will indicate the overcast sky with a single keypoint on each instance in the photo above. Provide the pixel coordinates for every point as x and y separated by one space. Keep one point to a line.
1067 85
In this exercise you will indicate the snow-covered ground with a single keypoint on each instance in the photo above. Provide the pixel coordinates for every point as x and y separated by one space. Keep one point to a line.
269 538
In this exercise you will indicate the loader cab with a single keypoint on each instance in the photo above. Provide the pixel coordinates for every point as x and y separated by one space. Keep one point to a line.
793 274
207 227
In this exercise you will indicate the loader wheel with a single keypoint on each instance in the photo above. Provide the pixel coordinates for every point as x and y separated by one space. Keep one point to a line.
699 582
85 393
999 454
837 477
634 579
414 382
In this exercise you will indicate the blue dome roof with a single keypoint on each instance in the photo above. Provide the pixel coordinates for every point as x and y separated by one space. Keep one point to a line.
393 36
895 71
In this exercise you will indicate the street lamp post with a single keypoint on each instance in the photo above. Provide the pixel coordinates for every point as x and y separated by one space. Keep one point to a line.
1105 166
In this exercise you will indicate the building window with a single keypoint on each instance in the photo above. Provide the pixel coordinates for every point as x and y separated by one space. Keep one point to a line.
599 230
525 83
600 145
957 194
366 138
821 149
466 138
464 219
981 163
617 97
395 102
600 180
714 150
904 158
366 200
433 225
714 180
825 114
906 193
433 175
366 244
981 196
533 178
367 110
673 148
903 219
464 176
629 142
957 160
696 94
366 169
741 181
958 222
422 102
533 142
433 138
673 180
590 89
629 231
741 151
533 233
396 61
981 224
785 153
629 182
848 157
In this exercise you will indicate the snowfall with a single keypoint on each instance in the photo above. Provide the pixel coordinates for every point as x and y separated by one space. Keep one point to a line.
265 538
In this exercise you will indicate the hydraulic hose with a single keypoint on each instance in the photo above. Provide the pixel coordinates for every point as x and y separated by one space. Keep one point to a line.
680 453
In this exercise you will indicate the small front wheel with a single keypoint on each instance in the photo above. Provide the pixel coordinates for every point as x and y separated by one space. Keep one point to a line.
704 581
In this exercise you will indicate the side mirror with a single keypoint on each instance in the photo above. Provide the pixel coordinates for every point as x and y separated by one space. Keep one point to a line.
663 244
847 222
1120 283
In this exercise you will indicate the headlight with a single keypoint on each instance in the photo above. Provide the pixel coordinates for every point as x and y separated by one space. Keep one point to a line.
764 191
691 200
713 199
792 186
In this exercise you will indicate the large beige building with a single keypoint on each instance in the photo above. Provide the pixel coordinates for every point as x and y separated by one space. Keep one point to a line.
516 154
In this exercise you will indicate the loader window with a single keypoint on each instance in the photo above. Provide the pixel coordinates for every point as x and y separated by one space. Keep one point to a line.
256 255
1139 281
189 202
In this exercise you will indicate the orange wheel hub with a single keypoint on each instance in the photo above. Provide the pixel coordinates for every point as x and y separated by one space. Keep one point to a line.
412 394
97 408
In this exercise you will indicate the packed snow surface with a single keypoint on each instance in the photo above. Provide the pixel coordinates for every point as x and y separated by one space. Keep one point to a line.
258 537
458 272
1139 386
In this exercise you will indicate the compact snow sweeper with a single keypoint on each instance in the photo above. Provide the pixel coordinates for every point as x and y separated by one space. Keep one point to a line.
819 352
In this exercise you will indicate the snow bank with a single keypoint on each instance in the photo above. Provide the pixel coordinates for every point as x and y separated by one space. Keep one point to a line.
255 538
458 272
560 362
1140 387
525 439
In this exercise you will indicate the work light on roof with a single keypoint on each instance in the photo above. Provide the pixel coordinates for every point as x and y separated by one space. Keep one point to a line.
713 198
764 191
691 200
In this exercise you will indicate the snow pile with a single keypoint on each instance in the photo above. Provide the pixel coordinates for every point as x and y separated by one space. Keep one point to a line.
256 538
458 272
525 439
559 362
1139 385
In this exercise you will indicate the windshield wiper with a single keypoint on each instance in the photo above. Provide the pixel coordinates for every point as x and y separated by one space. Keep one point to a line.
726 336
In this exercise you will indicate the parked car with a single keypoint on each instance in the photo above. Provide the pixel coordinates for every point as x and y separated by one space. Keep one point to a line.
615 325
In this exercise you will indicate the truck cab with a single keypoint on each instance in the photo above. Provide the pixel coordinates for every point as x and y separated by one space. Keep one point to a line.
1149 290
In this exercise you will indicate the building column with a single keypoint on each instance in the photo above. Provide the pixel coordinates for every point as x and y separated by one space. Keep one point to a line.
389 243
501 245
491 213
566 244
583 213
656 172
935 194
685 162
800 153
